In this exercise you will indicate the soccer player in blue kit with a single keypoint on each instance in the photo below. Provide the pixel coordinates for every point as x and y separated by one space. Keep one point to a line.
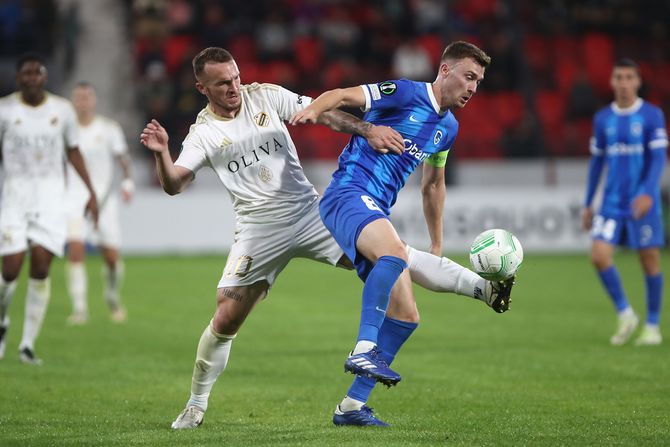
356 205
629 136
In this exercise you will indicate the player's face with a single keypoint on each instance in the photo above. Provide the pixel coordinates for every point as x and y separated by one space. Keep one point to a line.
220 83
83 100
31 79
625 82
458 82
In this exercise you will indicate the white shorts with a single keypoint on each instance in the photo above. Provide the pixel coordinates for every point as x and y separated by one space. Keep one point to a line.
20 228
261 251
81 228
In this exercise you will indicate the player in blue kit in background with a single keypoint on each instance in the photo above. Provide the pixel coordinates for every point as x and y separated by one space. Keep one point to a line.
356 205
629 136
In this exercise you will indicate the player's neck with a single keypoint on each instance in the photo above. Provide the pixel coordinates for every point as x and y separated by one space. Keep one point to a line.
224 113
624 103
85 118
33 99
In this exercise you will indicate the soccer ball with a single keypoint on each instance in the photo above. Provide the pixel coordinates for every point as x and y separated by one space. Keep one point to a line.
496 255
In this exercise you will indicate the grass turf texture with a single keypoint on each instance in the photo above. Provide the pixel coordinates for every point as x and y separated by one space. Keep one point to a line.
541 374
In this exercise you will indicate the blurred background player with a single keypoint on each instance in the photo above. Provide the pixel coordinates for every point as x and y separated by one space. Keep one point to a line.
356 205
102 144
242 136
629 136
38 130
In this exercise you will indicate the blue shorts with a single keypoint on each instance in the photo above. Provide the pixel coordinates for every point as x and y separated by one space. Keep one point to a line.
626 231
345 212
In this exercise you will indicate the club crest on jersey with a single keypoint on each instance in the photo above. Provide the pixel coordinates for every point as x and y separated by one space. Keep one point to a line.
54 121
264 173
438 136
262 119
636 128
387 88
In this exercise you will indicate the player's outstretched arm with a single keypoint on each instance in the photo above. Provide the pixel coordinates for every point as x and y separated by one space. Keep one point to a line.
77 162
332 99
433 192
382 139
174 179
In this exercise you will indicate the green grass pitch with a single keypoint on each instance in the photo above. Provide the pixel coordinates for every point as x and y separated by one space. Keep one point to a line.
541 374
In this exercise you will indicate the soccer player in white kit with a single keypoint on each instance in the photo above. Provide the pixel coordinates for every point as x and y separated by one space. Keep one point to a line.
242 136
38 131
103 145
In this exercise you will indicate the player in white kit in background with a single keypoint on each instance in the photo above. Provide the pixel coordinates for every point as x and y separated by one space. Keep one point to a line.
38 132
241 134
103 146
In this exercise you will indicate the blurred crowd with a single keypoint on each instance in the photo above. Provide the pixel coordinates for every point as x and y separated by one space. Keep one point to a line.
550 69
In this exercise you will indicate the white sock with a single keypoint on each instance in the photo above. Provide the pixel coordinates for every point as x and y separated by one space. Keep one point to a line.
350 404
210 361
113 278
6 293
363 346
443 274
77 284
37 299
627 313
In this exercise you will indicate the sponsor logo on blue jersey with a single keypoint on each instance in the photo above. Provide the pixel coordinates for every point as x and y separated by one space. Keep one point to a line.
412 149
625 149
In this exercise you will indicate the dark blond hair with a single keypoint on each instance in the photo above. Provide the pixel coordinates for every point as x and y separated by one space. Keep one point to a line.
462 50
211 54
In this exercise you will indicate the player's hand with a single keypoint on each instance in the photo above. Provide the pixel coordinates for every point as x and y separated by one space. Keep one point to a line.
384 139
127 189
306 116
641 205
92 209
154 137
587 219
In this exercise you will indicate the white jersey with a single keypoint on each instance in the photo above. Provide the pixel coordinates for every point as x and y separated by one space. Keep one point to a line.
253 155
33 141
100 142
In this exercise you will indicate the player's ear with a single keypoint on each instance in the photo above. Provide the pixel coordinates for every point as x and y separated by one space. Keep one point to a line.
200 87
444 68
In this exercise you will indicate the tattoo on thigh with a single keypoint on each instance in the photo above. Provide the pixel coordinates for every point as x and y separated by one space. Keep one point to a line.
233 295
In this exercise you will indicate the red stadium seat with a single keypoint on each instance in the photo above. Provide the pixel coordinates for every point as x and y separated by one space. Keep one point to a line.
433 45
598 55
508 107
308 53
479 129
550 107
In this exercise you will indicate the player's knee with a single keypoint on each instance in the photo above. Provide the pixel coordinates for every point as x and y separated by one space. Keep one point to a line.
398 251
39 270
599 260
10 275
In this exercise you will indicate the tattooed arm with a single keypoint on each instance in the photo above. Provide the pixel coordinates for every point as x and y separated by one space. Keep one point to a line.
382 139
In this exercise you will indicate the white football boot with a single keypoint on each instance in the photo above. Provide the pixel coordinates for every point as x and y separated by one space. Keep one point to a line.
650 336
191 417
626 325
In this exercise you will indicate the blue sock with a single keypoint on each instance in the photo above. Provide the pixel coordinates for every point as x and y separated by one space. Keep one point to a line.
612 283
376 295
392 335
654 297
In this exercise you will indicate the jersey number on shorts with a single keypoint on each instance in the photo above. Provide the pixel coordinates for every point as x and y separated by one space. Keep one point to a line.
604 228
240 268
370 203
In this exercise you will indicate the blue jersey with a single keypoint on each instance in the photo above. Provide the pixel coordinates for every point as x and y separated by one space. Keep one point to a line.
632 142
410 108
